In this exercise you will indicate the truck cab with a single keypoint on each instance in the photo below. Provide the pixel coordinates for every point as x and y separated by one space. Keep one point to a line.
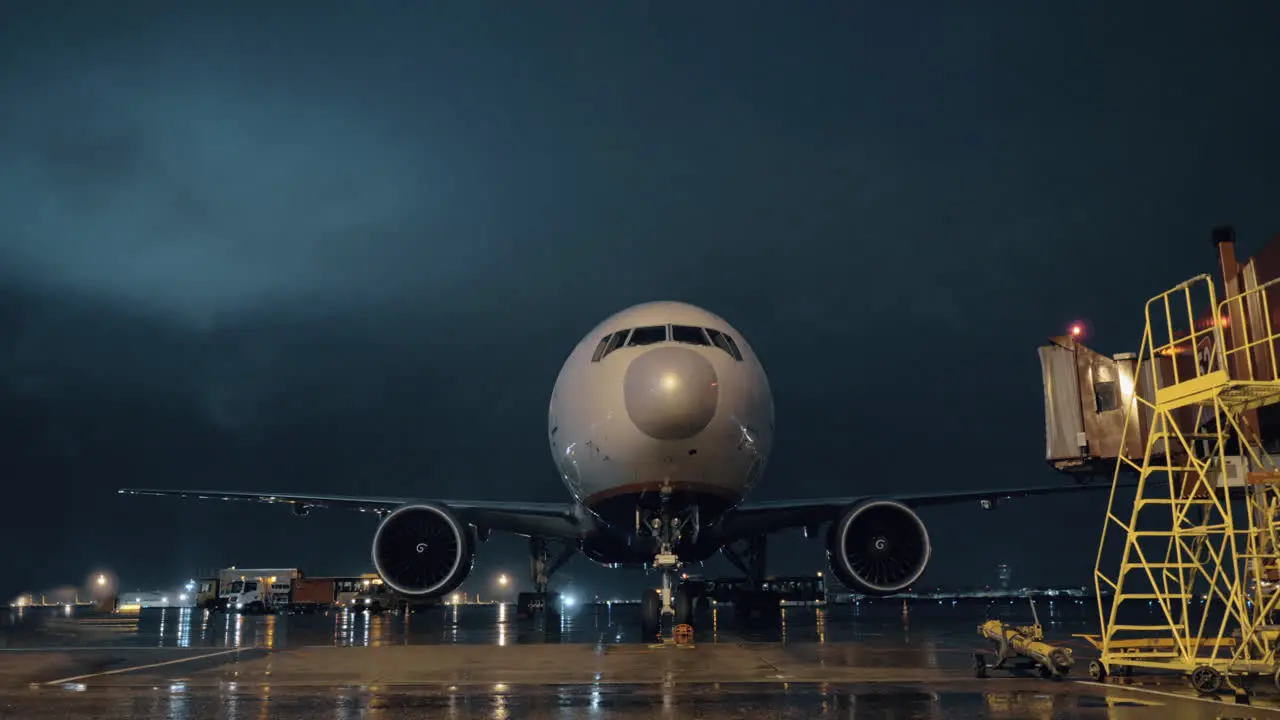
245 596
375 597
258 592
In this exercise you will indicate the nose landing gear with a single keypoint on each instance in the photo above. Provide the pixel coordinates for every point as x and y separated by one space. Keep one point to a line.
662 610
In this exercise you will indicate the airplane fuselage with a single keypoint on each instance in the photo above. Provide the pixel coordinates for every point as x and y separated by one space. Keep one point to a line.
662 403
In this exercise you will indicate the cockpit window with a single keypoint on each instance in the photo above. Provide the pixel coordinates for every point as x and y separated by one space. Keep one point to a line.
648 335
614 342
653 334
688 334
725 343
733 346
600 349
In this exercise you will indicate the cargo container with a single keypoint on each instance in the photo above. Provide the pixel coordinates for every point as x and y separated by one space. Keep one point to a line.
319 594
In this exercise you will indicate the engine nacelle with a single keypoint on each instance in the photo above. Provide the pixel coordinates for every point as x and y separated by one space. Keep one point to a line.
878 547
422 550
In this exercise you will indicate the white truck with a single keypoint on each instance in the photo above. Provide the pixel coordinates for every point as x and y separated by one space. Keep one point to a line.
256 590
375 597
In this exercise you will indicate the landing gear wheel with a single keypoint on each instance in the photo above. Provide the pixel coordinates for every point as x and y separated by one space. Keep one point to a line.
551 610
682 603
532 605
528 604
1206 680
1097 673
650 615
979 666
1044 671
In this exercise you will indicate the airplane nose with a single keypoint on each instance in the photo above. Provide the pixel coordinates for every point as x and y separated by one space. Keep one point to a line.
671 393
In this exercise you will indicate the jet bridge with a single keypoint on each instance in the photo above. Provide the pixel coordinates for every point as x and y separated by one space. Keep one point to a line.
1086 397
1087 394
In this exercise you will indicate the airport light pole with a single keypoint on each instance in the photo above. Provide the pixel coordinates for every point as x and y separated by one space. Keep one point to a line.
102 588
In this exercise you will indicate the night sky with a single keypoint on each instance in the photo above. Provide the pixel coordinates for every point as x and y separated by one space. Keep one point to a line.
343 247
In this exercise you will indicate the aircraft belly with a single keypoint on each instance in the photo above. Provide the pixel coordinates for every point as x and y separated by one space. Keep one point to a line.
713 461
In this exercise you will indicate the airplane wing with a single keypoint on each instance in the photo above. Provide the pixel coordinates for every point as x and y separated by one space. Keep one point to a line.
758 518
549 520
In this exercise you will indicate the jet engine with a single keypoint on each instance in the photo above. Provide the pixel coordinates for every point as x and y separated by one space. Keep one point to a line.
422 550
878 547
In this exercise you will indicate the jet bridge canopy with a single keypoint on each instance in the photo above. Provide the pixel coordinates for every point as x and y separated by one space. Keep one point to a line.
1086 398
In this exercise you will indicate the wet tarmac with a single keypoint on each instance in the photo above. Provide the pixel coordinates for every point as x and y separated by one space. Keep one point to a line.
477 662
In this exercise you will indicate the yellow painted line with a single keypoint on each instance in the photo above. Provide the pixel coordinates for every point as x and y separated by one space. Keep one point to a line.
143 667
1197 698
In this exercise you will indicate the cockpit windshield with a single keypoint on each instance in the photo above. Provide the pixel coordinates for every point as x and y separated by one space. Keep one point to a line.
651 335
654 334
690 335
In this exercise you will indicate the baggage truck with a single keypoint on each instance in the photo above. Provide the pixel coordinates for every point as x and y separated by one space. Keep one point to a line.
325 593
257 590
278 590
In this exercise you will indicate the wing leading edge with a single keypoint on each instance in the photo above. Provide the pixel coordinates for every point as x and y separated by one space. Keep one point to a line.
555 520
755 518
559 520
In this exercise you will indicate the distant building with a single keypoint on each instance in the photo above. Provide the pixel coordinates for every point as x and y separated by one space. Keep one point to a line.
1005 575
156 598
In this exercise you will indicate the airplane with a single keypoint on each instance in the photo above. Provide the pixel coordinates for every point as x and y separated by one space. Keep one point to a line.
660 424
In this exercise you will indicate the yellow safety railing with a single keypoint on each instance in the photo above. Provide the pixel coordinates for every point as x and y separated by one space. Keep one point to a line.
1195 560
1248 315
1180 333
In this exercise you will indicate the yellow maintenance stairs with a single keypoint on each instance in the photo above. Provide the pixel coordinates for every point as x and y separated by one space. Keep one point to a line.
1188 559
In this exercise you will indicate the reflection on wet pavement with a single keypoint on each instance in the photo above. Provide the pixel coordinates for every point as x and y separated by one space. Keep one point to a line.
686 701
868 661
497 625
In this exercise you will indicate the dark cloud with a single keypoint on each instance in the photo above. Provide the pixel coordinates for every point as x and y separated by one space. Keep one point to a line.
346 248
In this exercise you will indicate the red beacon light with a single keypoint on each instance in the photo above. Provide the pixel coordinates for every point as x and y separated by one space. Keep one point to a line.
1077 330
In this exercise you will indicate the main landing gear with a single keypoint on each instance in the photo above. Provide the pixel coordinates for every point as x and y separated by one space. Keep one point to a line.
662 610
543 564
754 601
